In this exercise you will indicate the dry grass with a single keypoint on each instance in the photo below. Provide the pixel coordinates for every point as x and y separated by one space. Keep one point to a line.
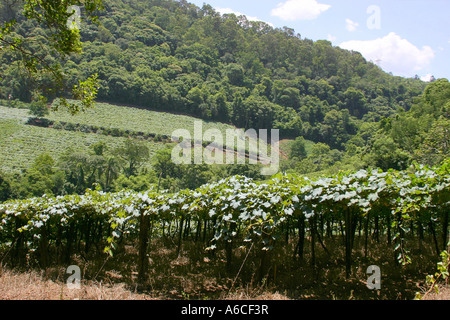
444 294
195 274
34 286
242 294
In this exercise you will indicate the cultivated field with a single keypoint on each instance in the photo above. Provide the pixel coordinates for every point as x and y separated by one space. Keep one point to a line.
20 144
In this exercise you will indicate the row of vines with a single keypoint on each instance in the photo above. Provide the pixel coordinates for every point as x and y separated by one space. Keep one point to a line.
236 212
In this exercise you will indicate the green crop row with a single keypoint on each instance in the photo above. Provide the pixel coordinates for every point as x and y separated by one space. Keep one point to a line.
20 144
237 212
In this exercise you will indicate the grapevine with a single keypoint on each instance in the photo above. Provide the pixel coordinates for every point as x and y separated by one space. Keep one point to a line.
233 212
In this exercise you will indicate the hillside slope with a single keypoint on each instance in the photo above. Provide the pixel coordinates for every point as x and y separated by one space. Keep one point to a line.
173 56
21 143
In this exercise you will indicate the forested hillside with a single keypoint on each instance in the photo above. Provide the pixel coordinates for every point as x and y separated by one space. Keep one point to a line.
173 56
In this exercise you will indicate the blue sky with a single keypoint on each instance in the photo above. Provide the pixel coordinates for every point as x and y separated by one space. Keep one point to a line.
405 37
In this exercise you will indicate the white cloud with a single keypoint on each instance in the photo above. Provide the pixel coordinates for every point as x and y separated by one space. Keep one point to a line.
351 25
393 54
237 13
427 78
331 38
299 10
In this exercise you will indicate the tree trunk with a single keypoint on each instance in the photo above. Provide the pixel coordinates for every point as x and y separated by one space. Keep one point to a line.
433 233
389 240
43 248
444 228
312 225
205 227
301 238
350 227
180 236
198 230
71 239
58 243
420 233
366 235
264 263
143 246
377 229
229 249
87 233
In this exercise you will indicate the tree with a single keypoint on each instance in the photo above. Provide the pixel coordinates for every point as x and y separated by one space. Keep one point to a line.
99 148
44 164
235 74
5 188
36 183
248 170
355 102
437 94
136 183
319 153
163 164
387 155
406 131
335 128
298 149
62 39
39 108
75 164
134 154
194 175
221 107
436 145
36 180
112 170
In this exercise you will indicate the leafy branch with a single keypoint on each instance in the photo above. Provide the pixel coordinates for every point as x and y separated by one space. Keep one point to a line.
442 273
64 39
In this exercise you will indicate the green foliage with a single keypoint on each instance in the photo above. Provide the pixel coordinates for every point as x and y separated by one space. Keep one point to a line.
437 94
241 210
173 56
134 154
436 144
85 92
355 102
42 50
386 154
5 188
44 164
39 108
298 149
163 164
140 183
440 277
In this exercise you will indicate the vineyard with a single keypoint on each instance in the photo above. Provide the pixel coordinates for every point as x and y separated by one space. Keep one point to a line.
22 143
241 225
